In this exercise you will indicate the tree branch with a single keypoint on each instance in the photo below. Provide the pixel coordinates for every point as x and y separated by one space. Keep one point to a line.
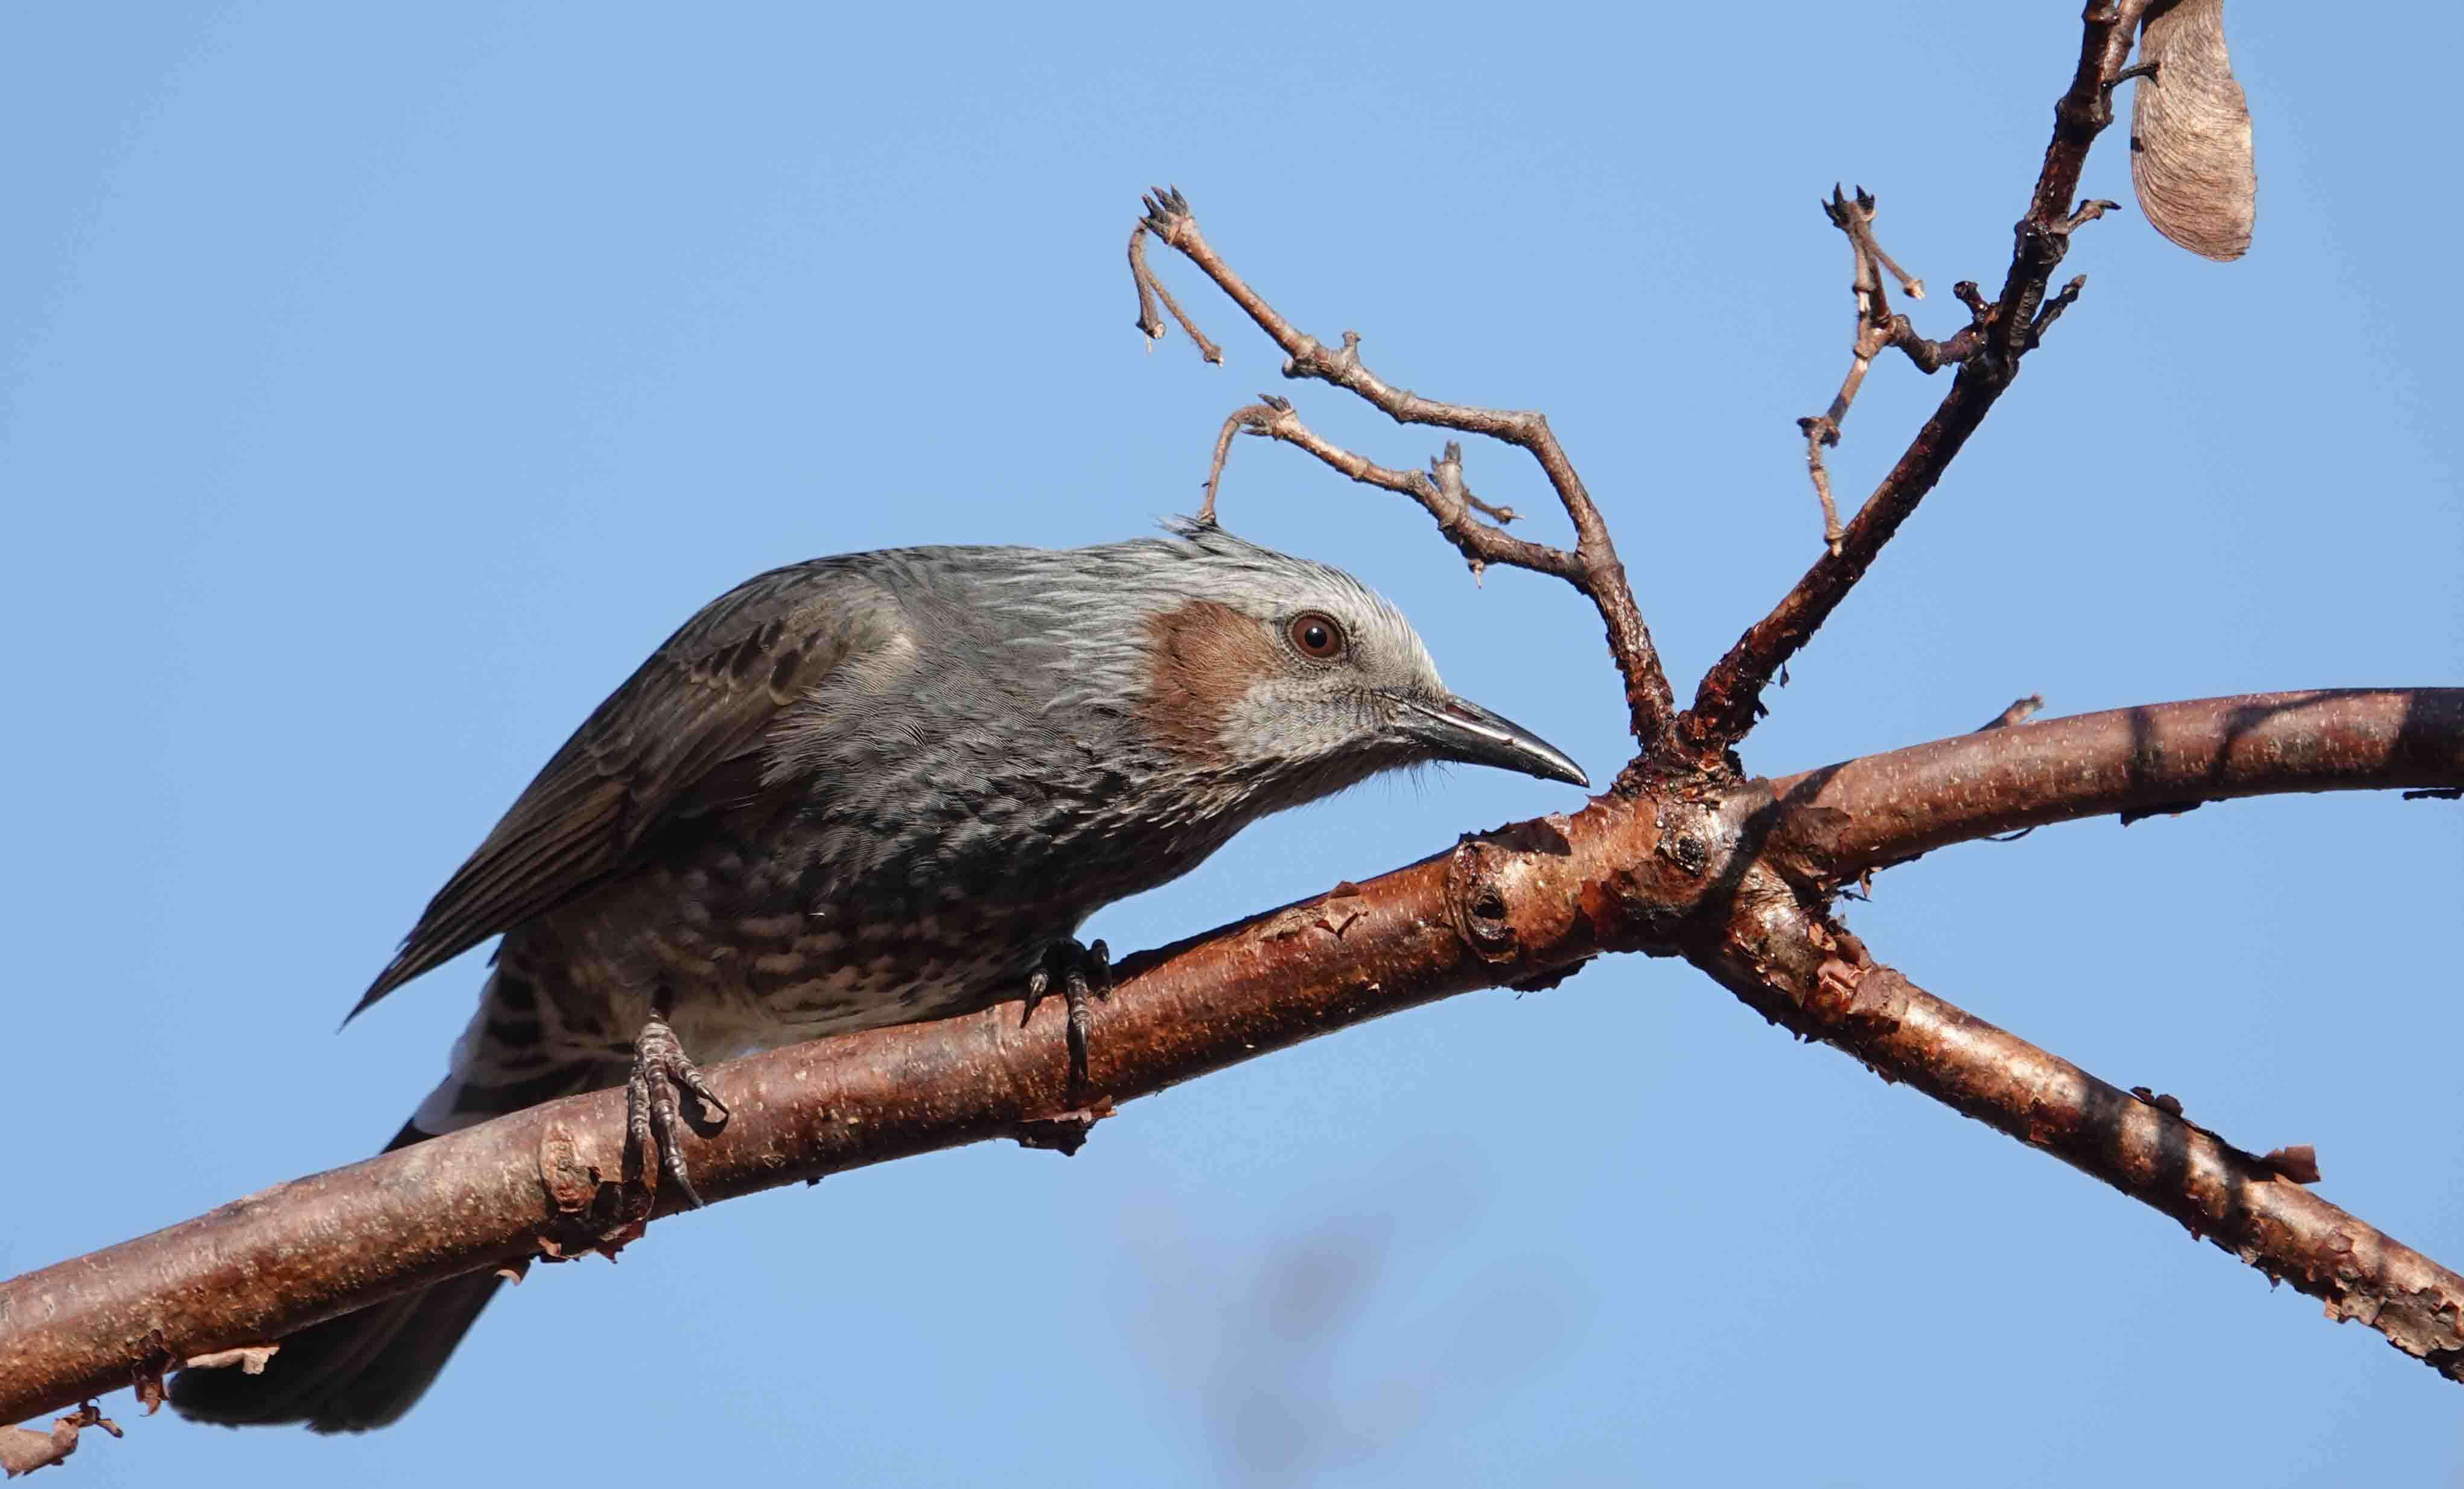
1718 877
1595 570
2249 1207
1844 821
1150 289
1441 491
1729 698
1877 329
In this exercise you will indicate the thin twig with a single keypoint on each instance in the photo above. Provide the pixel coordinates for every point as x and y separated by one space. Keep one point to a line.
2147 70
1729 698
1249 417
1142 278
2053 308
1855 221
1818 432
1598 572
1909 285
1877 328
1150 289
1441 491
2020 711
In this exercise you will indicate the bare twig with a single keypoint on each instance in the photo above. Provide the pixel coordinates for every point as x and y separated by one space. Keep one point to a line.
1249 418
1729 697
1448 468
1877 328
2053 308
1909 285
1818 432
1142 278
1441 491
1596 572
2020 711
1150 289
2134 70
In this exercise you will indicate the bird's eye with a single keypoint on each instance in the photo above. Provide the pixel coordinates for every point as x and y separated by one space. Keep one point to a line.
1317 635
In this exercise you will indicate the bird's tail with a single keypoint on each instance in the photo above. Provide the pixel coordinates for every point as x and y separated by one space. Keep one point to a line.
364 1369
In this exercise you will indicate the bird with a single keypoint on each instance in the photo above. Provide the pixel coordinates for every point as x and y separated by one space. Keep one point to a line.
864 790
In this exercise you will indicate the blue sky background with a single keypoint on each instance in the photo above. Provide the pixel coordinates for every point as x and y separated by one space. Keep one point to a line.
375 388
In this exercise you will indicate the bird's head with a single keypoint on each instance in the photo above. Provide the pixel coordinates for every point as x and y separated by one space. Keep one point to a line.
1299 679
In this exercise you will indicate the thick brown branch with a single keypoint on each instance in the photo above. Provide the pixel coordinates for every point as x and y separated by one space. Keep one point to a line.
2246 1205
1600 574
543 1179
1665 876
1729 698
1846 819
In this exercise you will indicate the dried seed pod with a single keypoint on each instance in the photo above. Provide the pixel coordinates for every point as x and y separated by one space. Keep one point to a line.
2189 132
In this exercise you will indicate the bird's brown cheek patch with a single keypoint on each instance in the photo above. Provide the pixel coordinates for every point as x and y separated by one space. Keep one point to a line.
1203 659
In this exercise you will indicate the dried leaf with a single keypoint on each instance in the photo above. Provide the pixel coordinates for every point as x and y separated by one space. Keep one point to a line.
2190 133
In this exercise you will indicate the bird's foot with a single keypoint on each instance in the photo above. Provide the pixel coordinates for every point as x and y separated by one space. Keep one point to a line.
660 1070
1078 971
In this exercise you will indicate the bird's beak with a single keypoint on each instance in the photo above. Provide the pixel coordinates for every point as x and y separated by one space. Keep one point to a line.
1458 729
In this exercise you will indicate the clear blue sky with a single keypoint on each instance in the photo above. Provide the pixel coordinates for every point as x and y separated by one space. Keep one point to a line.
375 388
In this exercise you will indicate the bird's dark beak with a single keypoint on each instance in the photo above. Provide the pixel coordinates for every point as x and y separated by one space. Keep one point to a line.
1458 729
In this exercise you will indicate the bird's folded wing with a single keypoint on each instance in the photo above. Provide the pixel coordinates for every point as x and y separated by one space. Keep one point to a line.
654 753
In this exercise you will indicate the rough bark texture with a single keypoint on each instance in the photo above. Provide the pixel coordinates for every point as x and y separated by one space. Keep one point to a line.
1721 881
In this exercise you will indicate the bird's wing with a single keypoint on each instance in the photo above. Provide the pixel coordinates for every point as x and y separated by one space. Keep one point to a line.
656 753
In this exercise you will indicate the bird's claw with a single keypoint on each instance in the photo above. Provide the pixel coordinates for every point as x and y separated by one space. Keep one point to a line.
652 1108
1080 971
